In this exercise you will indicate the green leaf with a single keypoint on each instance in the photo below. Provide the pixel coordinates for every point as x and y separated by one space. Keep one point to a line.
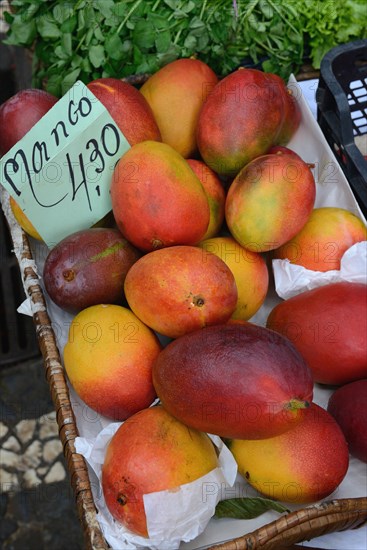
53 85
196 23
99 34
81 21
69 25
203 41
66 43
144 35
247 508
30 11
188 6
173 4
21 33
190 42
163 41
62 11
96 55
159 22
105 7
114 47
8 17
60 52
127 46
89 16
137 56
69 80
47 27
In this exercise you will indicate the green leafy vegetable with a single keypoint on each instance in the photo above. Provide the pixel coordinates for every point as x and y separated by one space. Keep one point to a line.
120 38
246 508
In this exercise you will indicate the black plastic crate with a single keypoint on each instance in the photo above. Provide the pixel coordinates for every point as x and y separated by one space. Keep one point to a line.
342 111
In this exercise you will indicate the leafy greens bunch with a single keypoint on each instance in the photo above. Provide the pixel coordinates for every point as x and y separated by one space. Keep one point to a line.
88 39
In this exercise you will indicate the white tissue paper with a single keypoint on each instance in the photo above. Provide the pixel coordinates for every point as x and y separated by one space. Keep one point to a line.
291 279
172 516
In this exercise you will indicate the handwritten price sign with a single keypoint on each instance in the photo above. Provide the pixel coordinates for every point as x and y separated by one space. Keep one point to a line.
60 172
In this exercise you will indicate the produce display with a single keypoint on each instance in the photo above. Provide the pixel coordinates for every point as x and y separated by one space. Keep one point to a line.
163 296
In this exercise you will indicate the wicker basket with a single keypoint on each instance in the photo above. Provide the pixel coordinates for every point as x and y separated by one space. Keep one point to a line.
285 532
304 524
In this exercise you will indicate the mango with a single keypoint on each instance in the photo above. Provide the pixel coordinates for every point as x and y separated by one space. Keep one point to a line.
249 270
326 236
108 358
20 113
303 465
292 113
179 289
23 220
128 108
269 201
328 326
176 94
157 200
151 451
215 193
239 120
348 405
234 380
88 268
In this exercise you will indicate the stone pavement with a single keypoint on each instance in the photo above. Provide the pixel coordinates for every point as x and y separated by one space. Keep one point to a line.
37 508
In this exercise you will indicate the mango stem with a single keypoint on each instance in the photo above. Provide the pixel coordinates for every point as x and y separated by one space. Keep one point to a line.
295 404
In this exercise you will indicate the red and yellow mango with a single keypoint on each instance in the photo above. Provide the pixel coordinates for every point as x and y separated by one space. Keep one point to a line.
152 451
303 465
108 358
157 200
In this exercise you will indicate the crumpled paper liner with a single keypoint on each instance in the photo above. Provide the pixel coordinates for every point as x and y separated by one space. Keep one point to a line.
291 279
172 516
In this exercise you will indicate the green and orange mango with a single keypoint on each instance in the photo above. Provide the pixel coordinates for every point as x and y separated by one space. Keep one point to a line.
269 201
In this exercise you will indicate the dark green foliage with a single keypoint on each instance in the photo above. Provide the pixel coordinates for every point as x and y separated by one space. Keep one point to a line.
87 39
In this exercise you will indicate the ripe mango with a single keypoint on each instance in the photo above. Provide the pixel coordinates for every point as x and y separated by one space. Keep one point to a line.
23 220
128 108
234 380
269 201
176 94
179 289
292 113
108 358
303 465
88 268
348 405
328 326
240 120
157 200
249 270
152 451
326 236
215 194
